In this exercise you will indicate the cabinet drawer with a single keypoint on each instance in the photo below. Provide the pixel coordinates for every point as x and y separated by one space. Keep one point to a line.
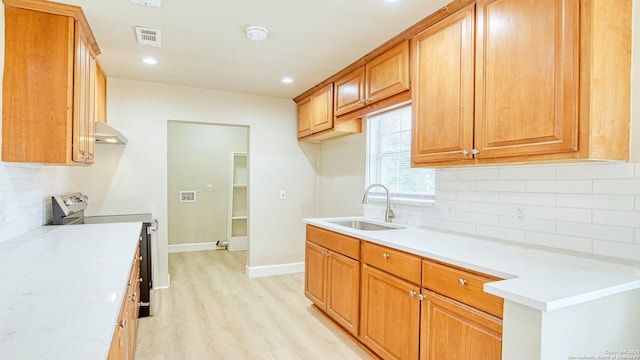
343 244
395 262
461 285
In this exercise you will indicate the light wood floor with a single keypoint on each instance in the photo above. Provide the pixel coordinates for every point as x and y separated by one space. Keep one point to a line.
213 311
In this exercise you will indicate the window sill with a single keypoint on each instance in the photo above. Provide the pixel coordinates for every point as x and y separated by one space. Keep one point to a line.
417 202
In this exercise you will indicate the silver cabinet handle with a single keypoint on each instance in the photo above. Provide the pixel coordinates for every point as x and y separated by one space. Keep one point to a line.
412 293
475 151
465 152
385 256
139 258
462 282
139 280
421 297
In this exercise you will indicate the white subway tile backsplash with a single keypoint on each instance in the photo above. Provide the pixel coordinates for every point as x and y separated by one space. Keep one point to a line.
527 198
457 226
445 195
546 226
572 243
500 233
477 218
25 191
595 171
501 185
528 173
594 231
485 173
588 201
558 214
627 186
477 196
617 218
454 185
618 250
560 186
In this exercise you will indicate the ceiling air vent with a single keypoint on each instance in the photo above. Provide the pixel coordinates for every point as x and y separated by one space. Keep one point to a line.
154 3
148 36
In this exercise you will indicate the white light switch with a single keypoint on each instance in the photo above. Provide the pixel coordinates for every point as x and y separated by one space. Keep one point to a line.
283 194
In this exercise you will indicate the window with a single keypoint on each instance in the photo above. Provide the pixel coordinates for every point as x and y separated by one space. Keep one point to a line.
389 158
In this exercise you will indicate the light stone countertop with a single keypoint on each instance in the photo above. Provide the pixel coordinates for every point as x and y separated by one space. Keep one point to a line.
61 288
538 278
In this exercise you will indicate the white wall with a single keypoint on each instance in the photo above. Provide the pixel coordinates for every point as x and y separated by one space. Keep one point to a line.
134 177
342 167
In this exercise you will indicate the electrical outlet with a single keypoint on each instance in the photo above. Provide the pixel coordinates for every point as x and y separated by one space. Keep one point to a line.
520 213
283 194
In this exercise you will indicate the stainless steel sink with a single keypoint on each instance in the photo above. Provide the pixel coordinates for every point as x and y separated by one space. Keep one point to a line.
365 225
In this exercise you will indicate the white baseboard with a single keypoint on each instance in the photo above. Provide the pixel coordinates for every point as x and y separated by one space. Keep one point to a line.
160 287
272 270
176 248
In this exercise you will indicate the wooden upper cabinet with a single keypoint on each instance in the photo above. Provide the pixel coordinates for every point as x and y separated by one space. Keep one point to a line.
442 93
527 77
388 74
315 113
322 118
544 73
350 92
100 94
48 85
384 76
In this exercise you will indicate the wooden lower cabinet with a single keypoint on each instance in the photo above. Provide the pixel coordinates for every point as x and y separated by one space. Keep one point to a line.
390 313
124 336
332 282
451 330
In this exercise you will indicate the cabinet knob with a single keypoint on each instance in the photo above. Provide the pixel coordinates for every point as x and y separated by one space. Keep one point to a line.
139 258
385 256
412 293
421 297
139 280
465 152
475 151
123 323
462 282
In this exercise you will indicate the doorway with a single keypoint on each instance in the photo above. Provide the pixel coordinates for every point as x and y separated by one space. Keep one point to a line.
206 199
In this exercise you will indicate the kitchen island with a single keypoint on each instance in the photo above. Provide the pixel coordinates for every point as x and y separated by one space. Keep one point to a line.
557 305
61 290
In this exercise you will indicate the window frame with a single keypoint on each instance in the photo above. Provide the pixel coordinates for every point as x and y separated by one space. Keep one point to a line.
376 194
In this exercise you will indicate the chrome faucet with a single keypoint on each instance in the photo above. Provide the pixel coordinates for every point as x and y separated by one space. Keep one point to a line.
389 214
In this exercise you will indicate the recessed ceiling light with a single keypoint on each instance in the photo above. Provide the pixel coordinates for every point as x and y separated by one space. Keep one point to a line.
287 80
257 33
149 61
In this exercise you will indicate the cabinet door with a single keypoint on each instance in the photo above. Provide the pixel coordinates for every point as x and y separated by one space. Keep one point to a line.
388 74
100 94
83 133
315 280
305 113
343 295
442 94
526 77
350 92
389 315
322 118
451 331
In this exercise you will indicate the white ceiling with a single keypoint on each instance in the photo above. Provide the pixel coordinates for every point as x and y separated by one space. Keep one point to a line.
204 43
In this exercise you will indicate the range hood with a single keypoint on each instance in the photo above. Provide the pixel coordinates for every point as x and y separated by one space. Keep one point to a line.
105 134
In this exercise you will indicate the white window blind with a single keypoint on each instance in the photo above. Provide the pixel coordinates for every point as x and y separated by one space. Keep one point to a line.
389 158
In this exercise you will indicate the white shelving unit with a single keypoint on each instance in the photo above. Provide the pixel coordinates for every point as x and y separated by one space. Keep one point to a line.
238 204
